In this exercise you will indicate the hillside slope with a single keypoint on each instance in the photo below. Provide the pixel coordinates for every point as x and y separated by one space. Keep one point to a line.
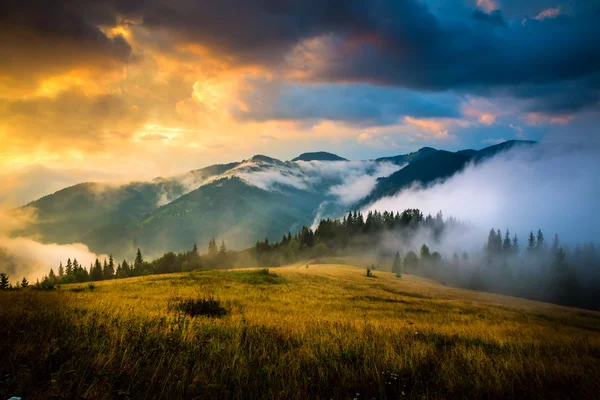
322 331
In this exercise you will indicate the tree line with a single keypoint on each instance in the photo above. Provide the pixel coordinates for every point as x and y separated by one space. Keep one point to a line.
549 272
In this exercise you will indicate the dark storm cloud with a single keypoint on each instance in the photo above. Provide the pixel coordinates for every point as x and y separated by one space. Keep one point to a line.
389 42
44 37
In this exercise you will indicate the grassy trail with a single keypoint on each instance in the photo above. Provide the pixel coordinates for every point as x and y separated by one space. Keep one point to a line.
326 331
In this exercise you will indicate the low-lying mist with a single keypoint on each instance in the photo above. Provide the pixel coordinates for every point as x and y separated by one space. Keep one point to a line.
555 188
25 257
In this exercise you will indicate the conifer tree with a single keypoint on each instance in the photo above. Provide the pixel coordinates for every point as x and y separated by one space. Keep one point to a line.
397 265
24 283
4 283
212 248
52 276
540 240
507 245
531 244
61 270
555 244
138 263
75 267
69 270
515 244
96 271
425 254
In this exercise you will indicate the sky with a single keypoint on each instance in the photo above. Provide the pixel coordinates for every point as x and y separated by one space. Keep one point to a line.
134 89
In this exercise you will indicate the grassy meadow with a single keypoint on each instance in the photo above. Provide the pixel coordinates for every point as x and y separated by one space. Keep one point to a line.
326 331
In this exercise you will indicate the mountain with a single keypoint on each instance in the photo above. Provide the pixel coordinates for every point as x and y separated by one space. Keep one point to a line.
408 158
239 202
437 165
319 156
428 165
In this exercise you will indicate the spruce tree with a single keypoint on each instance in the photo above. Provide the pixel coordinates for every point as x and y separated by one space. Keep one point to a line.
540 240
515 244
61 270
397 265
138 263
24 283
4 283
507 245
555 244
70 270
531 244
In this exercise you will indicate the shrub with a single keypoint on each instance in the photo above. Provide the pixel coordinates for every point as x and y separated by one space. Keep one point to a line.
210 307
370 273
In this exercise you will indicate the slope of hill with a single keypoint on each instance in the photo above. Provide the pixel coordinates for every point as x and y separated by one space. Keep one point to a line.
322 331
438 165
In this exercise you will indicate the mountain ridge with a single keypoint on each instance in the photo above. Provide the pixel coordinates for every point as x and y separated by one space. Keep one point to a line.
232 200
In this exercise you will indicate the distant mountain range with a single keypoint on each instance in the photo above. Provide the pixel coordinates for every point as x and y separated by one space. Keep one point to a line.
240 202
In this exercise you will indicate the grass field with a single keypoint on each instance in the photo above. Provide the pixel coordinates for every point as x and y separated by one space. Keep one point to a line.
326 331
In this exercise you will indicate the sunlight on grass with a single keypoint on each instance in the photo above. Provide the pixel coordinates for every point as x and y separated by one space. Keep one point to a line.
294 332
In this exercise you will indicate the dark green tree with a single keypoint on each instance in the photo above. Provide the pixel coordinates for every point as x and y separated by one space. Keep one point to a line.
4 283
61 270
69 270
397 265
531 244
540 241
24 283
96 271
507 244
425 254
138 263
411 261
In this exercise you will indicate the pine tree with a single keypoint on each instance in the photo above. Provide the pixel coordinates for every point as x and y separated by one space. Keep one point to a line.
425 254
411 261
515 244
212 248
138 263
507 245
109 269
52 276
24 283
75 267
223 248
96 271
195 250
70 269
397 265
61 270
540 240
531 244
4 283
125 268
555 244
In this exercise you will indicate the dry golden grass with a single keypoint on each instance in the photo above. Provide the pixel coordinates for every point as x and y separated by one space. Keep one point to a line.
319 332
